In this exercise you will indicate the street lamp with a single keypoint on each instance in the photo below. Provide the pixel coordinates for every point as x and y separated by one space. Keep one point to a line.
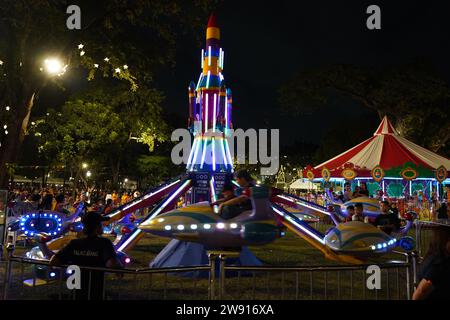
88 174
126 180
54 66
84 165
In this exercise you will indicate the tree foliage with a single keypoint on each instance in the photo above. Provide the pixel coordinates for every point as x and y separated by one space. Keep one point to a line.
413 95
128 40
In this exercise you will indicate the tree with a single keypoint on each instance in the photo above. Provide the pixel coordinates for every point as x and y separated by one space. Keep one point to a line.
110 43
100 127
155 169
413 95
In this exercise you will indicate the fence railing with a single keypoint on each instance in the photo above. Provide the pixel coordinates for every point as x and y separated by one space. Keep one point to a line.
23 278
20 280
398 280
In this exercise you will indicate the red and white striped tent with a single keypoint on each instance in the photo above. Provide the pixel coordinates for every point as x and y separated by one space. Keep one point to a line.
387 149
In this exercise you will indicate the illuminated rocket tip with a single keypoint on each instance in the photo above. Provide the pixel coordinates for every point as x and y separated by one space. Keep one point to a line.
212 22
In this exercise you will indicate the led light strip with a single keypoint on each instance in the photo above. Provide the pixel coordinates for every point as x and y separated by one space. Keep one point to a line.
192 153
304 204
223 152
209 56
138 231
212 184
229 155
204 153
213 154
214 112
196 153
199 81
203 56
207 105
295 223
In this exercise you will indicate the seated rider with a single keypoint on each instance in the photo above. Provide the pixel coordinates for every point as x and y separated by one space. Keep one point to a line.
235 206
350 213
227 194
387 220
358 216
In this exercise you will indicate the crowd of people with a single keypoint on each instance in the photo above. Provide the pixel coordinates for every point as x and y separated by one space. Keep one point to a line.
65 200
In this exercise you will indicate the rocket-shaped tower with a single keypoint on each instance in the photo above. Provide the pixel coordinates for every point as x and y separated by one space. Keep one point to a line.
210 110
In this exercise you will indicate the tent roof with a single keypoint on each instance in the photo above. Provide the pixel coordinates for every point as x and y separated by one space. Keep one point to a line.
387 149
303 184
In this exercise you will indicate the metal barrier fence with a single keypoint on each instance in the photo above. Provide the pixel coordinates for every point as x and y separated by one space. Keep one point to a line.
19 281
317 282
232 282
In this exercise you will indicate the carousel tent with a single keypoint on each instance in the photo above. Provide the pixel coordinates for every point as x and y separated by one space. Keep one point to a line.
387 149
303 184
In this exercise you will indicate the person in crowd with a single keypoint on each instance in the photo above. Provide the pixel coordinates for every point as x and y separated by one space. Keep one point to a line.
442 212
124 198
47 201
356 193
387 220
363 192
359 212
115 198
347 192
350 213
235 206
108 207
394 208
60 203
91 250
434 277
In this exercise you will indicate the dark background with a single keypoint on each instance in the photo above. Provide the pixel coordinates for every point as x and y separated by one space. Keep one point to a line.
265 43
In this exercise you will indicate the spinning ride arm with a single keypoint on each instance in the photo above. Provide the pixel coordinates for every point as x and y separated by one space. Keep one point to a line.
146 200
280 197
309 234
128 241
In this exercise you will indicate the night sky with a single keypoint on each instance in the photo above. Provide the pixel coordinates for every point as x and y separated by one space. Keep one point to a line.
265 43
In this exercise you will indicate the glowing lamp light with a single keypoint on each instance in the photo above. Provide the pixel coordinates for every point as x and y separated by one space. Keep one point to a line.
207 226
220 225
160 219
193 226
379 246
127 260
233 225
54 66
88 174
52 274
167 228
180 227
373 247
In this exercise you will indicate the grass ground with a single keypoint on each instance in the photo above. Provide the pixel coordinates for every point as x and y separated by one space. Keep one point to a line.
287 251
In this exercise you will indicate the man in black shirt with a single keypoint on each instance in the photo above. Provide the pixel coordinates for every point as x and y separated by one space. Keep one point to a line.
92 250
387 220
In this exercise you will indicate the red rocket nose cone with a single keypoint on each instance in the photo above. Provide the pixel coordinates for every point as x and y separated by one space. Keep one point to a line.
212 22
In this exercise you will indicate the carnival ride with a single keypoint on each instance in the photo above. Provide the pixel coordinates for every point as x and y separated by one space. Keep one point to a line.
209 168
